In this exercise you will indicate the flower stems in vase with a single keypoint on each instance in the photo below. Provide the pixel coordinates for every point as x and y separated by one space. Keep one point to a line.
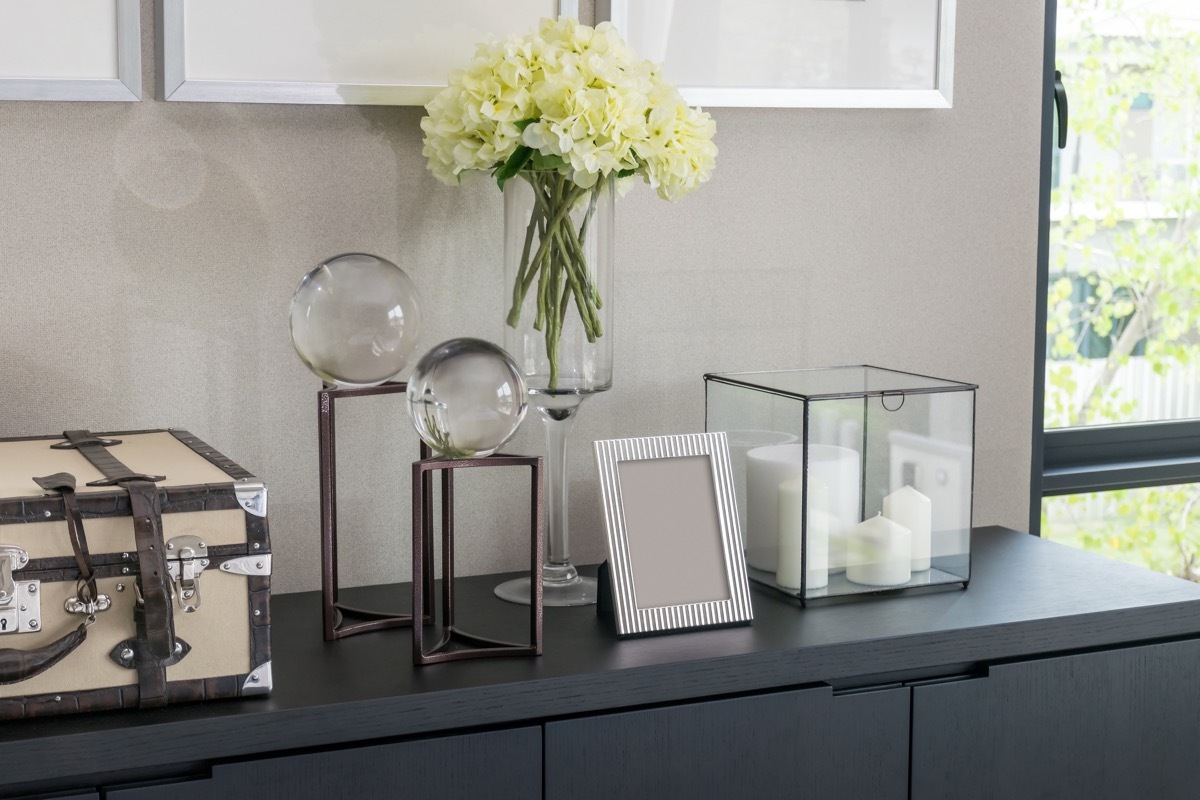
559 264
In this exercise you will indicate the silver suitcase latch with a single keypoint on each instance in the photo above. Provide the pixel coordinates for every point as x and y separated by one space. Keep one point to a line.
187 556
20 601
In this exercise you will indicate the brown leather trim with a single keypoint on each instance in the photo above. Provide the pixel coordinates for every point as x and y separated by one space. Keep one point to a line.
95 450
64 484
206 451
260 619
109 434
156 627
114 565
43 705
175 499
258 536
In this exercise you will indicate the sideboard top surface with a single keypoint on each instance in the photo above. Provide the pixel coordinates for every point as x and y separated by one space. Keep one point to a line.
1027 597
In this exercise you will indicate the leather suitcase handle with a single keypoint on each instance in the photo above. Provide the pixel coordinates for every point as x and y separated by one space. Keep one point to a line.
18 665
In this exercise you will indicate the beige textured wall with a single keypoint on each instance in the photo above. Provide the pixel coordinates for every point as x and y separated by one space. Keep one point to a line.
150 251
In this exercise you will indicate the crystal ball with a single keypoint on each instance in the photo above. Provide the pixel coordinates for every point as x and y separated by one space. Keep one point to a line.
355 320
466 398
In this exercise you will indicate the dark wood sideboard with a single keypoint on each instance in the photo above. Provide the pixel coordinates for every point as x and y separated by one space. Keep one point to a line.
1057 674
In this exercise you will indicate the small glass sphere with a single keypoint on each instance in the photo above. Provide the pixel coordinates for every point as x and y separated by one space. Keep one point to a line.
466 398
355 320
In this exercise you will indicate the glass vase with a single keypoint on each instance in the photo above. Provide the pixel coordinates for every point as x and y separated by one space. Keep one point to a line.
558 277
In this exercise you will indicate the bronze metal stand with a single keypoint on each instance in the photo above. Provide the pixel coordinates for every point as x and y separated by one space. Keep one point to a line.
341 620
455 644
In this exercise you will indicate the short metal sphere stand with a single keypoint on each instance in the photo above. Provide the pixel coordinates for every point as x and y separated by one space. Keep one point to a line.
453 643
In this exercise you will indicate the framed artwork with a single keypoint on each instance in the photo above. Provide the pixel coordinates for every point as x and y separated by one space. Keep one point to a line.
356 52
674 545
797 53
70 50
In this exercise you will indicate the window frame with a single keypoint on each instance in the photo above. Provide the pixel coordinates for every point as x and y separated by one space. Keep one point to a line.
1102 457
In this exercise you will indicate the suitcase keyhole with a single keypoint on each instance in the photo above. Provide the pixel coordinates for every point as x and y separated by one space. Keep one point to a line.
3 624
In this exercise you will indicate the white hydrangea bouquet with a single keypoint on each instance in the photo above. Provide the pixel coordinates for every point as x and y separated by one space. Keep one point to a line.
564 109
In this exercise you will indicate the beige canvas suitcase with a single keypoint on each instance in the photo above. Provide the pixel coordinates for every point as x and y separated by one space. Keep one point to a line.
134 572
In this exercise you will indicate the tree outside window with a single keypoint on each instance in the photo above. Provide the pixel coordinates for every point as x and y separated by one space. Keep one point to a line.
1123 337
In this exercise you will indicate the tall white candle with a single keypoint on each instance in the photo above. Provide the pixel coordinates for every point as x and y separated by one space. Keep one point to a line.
910 508
768 467
792 539
879 553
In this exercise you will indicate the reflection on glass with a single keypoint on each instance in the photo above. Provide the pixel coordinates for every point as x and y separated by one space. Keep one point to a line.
1154 527
1123 336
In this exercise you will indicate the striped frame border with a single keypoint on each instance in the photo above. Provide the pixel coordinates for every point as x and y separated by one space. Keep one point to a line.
630 619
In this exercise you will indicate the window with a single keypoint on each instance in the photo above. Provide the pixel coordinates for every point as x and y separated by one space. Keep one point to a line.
1120 283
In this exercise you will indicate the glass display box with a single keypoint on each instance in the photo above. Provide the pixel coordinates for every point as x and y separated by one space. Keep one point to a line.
849 480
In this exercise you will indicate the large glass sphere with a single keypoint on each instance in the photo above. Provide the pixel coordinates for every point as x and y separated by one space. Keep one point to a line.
355 320
466 398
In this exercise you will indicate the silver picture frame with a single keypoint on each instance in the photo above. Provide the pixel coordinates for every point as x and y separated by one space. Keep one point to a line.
675 547
178 85
928 27
123 86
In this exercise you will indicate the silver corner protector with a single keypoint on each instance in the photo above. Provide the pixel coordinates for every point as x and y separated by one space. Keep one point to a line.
248 565
258 681
251 495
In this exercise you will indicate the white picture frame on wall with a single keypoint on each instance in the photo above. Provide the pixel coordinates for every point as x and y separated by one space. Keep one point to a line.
796 53
353 52
70 50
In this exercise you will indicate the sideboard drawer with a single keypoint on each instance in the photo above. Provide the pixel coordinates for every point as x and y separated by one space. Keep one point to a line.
498 764
803 743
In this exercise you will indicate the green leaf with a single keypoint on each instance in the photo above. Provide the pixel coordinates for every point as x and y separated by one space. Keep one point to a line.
543 161
525 123
519 158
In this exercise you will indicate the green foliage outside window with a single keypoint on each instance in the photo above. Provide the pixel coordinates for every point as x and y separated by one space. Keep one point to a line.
1127 210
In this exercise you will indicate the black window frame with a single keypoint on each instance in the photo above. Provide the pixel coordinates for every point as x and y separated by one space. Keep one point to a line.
1101 457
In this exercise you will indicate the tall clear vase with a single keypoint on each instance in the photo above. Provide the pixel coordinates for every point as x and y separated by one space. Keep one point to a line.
558 269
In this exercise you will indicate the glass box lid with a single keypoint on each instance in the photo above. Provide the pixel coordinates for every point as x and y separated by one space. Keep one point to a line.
830 382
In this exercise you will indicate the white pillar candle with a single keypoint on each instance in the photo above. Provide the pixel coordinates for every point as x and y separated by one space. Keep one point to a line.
910 508
742 442
879 553
768 467
792 537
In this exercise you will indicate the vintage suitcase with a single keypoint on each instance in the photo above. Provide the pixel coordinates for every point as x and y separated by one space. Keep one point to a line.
134 572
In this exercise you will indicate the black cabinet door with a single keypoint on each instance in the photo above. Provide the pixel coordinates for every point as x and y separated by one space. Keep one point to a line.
1118 724
499 764
804 743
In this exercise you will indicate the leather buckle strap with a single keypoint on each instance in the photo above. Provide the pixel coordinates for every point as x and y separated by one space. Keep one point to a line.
154 614
152 567
64 484
93 449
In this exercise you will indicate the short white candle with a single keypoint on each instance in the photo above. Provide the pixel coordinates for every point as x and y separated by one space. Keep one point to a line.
792 538
910 508
769 467
879 553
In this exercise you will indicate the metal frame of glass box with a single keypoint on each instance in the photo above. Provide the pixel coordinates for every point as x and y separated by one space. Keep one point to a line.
796 438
